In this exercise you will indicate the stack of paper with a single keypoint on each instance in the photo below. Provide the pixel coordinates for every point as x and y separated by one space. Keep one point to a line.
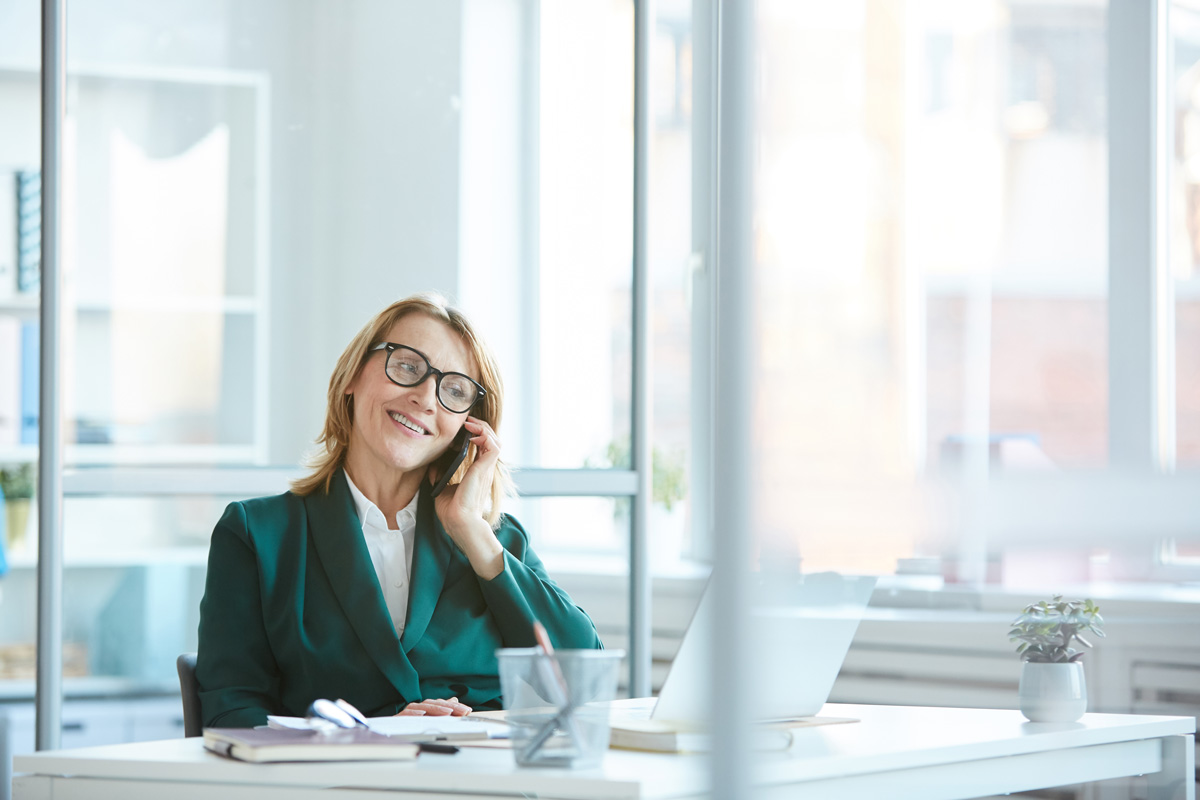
406 729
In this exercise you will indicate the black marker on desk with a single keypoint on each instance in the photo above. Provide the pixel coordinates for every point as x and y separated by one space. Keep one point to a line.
431 747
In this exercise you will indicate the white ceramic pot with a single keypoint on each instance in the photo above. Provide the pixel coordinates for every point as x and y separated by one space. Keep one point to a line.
1052 692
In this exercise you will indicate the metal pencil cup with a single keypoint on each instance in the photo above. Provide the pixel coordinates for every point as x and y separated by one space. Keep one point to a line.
550 726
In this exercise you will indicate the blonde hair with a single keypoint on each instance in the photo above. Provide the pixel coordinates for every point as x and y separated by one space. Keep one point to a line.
330 453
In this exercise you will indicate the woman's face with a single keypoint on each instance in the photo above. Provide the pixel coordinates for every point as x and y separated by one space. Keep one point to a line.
405 428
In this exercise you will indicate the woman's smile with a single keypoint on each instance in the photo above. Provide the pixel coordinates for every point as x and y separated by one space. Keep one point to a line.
408 424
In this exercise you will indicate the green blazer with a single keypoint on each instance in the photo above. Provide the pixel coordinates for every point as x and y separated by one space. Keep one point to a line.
293 611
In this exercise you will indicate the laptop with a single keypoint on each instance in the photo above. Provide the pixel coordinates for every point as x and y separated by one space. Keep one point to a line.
799 635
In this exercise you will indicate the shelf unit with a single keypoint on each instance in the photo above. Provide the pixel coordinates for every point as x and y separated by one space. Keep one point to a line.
104 103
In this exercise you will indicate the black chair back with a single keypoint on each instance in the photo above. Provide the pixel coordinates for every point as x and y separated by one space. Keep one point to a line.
190 692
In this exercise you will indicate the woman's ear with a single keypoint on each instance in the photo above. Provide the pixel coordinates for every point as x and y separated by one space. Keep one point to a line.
353 384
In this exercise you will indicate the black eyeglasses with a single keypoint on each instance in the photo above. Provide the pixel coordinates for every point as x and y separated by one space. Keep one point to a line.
408 367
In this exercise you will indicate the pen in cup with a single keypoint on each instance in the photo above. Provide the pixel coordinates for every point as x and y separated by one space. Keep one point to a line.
559 695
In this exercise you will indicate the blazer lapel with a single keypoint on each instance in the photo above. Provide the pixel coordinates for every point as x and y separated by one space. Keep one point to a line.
337 537
431 560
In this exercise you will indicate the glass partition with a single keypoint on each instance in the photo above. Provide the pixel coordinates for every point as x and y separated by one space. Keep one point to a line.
932 271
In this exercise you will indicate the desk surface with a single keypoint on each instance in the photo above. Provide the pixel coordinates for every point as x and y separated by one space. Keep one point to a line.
891 743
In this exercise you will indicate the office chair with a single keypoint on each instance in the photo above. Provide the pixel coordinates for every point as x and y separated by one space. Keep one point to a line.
189 690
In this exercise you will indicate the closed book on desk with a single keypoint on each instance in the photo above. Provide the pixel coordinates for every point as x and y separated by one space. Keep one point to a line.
668 736
265 744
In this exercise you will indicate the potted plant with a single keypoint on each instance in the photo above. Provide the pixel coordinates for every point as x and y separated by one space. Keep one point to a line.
1052 684
17 485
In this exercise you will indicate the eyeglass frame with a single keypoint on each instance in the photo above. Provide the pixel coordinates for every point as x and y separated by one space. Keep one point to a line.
430 369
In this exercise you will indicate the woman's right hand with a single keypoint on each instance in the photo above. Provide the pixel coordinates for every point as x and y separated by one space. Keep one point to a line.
436 708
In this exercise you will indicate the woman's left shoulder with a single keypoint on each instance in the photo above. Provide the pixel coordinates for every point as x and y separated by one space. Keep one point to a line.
511 534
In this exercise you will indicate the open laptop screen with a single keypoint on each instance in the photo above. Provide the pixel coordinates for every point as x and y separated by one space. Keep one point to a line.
800 631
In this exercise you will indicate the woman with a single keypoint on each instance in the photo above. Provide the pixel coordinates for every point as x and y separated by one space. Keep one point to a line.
359 583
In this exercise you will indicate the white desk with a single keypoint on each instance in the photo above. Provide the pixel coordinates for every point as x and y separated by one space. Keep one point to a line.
894 752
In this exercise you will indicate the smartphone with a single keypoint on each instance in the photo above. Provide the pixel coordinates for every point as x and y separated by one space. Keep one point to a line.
449 462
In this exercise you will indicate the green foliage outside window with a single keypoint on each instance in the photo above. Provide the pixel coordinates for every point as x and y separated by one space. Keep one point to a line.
668 478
